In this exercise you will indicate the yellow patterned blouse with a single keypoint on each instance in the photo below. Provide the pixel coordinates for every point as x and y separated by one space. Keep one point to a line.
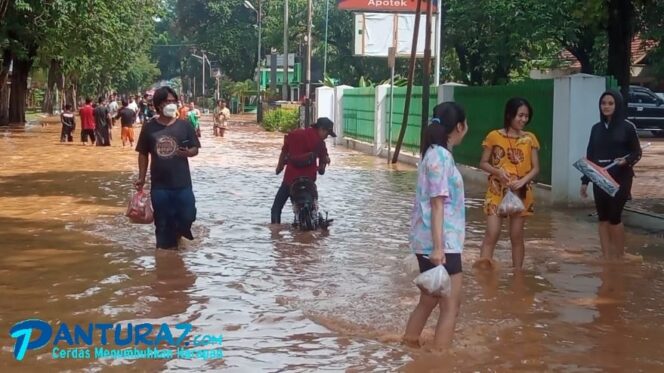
514 155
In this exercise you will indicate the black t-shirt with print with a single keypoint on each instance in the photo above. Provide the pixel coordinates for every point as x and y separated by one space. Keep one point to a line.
168 170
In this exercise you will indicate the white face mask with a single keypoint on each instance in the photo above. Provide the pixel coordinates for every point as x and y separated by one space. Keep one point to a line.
169 110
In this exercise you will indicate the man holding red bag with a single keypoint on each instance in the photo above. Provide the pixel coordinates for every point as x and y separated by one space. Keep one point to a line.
166 143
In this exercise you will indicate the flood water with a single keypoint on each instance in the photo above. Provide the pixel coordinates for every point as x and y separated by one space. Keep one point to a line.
288 301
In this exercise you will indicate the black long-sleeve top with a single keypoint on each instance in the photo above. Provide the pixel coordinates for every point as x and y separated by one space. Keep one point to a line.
616 141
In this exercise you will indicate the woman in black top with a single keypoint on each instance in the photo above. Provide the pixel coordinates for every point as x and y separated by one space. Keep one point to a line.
612 138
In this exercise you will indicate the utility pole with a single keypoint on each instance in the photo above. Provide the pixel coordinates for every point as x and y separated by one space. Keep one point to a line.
308 74
439 29
426 80
307 81
327 16
259 100
284 92
203 81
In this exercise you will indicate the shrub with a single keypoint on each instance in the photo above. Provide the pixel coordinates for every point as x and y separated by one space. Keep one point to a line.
283 120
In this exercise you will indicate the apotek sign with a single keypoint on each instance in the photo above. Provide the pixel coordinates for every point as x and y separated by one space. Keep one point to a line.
400 6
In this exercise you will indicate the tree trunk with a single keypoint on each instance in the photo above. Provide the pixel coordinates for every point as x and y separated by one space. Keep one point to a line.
72 97
53 73
462 55
474 62
4 88
586 66
620 33
19 90
4 5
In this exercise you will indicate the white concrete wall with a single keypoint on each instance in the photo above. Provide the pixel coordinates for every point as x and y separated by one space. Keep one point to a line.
325 103
339 112
381 117
446 91
575 111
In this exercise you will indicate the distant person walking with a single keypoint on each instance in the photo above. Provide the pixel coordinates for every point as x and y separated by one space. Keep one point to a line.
165 144
143 108
194 116
102 123
183 110
150 113
133 106
612 138
127 118
221 117
87 122
511 157
68 125
113 109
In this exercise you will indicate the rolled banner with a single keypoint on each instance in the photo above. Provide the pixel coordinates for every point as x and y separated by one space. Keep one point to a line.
598 175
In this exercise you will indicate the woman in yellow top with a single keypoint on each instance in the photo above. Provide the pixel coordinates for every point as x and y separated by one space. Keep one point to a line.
511 158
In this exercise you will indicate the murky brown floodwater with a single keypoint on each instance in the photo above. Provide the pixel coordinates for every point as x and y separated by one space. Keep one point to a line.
288 301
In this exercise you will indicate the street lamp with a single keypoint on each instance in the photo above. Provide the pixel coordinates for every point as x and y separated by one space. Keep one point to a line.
248 5
203 59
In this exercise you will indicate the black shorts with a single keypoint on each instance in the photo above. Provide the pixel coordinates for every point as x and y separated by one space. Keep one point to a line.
611 208
87 133
452 263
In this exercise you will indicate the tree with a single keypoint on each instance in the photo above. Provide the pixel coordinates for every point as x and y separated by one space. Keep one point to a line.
493 38
241 90
91 45
223 27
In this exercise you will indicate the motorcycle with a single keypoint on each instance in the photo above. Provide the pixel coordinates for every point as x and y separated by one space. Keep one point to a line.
304 198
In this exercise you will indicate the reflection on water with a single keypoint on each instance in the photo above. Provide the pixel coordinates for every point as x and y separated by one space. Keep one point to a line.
287 300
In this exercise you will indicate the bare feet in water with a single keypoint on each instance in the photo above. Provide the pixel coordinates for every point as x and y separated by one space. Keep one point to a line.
485 264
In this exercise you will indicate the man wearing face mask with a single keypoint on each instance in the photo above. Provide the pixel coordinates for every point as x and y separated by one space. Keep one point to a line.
169 142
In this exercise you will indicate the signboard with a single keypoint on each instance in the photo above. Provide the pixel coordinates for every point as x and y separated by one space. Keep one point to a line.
376 33
280 60
398 6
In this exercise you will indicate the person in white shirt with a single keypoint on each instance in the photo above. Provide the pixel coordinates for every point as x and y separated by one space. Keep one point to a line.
113 108
221 117
133 106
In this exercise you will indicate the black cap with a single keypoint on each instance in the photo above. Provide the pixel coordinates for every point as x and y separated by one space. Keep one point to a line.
326 124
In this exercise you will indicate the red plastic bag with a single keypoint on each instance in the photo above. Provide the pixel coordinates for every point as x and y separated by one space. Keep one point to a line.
140 210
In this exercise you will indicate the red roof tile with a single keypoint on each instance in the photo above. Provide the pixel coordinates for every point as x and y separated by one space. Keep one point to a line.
640 49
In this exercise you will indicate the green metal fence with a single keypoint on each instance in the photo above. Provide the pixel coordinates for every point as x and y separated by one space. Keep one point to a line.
411 140
359 113
485 109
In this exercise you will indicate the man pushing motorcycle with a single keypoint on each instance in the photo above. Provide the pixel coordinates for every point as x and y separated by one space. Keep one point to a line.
303 154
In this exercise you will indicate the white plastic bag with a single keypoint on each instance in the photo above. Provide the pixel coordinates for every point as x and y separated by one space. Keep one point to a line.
435 281
510 205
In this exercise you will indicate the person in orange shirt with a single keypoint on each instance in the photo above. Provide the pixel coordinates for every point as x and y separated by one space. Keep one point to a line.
184 110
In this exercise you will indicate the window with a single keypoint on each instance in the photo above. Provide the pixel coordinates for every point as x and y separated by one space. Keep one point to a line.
644 98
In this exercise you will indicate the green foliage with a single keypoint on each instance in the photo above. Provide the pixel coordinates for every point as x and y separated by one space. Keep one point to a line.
223 27
283 120
105 49
329 81
241 90
399 81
